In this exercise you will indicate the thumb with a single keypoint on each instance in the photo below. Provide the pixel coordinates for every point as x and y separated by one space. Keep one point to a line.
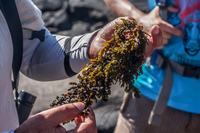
63 113
154 41
157 38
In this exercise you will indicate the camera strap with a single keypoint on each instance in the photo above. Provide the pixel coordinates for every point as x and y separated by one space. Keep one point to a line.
9 10
163 8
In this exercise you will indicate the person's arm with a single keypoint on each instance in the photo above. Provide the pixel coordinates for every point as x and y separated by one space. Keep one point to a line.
124 8
47 60
58 57
48 121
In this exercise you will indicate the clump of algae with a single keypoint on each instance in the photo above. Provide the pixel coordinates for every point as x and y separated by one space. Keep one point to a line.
119 61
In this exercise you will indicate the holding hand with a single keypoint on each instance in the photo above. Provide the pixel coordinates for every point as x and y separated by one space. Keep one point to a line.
49 121
106 32
153 18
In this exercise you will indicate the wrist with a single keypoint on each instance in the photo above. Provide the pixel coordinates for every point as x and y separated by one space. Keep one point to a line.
137 14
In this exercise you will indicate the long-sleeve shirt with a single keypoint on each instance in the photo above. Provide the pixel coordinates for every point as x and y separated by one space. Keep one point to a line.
44 61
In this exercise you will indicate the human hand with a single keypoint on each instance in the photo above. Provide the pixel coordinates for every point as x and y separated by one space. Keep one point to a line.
49 121
153 18
104 35
106 32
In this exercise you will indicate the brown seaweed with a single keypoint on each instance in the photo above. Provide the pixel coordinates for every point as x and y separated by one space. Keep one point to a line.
119 61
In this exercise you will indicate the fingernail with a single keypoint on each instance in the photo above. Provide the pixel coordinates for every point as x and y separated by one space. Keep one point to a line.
80 106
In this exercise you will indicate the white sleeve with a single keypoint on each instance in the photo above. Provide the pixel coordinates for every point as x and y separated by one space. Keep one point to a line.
11 131
58 57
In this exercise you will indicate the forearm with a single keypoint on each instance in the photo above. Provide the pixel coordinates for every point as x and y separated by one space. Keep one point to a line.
124 8
58 57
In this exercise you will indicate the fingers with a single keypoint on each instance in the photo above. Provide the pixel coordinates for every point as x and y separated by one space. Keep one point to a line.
49 120
108 30
102 37
85 124
63 113
166 37
91 118
170 29
78 120
165 26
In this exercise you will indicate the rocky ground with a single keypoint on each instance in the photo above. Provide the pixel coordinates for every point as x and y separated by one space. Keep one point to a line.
74 17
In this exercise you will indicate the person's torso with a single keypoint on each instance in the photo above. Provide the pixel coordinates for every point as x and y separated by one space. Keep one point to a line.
185 91
8 115
30 18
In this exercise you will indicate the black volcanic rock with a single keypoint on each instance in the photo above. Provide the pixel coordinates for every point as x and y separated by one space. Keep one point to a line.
64 15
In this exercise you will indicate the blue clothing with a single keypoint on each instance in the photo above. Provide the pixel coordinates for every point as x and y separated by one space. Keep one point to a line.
185 91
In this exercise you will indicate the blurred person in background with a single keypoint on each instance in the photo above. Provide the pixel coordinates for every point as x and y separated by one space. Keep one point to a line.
48 57
170 81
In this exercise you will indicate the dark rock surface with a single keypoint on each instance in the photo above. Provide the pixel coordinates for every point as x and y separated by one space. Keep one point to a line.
69 15
75 17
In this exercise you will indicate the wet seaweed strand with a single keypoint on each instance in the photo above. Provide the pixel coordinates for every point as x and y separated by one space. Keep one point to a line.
119 61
